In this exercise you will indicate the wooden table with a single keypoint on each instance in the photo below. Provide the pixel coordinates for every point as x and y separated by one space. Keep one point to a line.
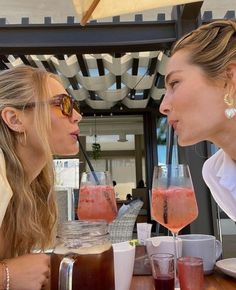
216 281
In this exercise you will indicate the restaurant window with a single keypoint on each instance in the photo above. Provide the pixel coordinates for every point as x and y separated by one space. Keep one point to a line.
163 144
67 172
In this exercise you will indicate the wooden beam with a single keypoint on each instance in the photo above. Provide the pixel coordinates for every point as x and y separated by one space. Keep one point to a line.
94 38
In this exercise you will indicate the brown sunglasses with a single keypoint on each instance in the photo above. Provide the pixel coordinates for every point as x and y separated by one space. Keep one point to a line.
64 101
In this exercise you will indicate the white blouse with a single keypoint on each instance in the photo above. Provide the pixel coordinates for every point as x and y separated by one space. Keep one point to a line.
5 189
219 173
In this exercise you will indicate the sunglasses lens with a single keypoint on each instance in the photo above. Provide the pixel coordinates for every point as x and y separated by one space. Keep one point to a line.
67 105
76 106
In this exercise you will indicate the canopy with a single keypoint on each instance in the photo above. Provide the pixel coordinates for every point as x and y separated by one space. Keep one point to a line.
97 9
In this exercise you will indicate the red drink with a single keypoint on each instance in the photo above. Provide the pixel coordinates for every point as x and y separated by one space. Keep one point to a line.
190 270
164 283
174 208
97 202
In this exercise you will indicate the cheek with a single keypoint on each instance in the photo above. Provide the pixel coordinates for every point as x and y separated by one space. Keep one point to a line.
57 119
189 102
57 126
57 141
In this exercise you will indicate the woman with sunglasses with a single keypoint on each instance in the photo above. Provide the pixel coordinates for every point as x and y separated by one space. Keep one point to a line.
200 102
37 120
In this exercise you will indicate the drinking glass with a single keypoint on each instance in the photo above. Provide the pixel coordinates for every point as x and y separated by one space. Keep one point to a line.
163 273
190 270
97 197
173 200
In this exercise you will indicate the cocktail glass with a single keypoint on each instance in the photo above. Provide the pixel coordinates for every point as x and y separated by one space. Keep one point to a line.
173 200
96 197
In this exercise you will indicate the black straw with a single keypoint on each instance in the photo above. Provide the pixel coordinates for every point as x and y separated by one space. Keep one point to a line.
170 143
88 161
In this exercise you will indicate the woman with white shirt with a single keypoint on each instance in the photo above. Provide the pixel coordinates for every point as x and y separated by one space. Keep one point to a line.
37 119
200 102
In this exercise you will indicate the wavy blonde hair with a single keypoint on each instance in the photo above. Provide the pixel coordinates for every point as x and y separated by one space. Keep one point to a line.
212 47
30 219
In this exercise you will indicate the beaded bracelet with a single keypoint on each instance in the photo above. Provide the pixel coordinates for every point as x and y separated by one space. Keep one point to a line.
3 276
7 284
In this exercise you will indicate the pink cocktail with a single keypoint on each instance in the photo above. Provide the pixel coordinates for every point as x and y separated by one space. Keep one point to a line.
97 202
174 207
173 199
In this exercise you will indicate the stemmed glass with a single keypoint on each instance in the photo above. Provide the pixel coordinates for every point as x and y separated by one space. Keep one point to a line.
97 197
173 199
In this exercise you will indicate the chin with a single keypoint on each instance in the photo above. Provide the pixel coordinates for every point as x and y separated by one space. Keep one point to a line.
67 152
183 142
72 152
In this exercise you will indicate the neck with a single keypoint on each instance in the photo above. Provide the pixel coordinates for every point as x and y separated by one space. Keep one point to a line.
226 140
32 161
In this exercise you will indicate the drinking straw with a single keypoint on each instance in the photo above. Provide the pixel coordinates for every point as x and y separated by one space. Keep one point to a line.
170 143
88 161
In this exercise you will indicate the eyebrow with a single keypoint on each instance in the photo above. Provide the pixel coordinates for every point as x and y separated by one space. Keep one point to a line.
167 77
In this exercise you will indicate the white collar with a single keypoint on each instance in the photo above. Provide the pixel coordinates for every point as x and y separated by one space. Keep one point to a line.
226 170
219 173
5 189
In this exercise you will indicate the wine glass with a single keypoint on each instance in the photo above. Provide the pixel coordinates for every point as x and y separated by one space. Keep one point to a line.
173 199
97 197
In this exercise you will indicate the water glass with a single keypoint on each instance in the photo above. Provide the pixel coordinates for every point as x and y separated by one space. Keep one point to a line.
190 271
163 271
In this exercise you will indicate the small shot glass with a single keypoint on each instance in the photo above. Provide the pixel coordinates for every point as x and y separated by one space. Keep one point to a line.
163 271
190 273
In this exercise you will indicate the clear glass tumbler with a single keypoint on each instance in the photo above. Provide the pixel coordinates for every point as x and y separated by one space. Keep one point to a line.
163 271
190 271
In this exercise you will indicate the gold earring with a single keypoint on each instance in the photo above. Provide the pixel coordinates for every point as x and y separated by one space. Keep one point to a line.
22 138
230 112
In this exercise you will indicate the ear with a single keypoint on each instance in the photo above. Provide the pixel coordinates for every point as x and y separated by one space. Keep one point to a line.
12 118
231 74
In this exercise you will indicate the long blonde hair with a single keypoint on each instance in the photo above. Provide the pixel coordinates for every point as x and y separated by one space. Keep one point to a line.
211 46
30 219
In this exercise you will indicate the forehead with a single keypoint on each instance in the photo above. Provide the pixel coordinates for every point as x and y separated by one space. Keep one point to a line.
55 87
178 61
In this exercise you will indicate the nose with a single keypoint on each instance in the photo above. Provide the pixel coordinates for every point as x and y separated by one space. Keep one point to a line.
76 116
165 106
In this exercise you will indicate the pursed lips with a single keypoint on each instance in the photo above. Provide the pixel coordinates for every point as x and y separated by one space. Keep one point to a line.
75 133
173 123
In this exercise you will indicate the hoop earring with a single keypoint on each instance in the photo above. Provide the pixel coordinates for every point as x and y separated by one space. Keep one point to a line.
230 112
22 138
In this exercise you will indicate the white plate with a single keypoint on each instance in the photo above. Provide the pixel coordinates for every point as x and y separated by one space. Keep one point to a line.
227 266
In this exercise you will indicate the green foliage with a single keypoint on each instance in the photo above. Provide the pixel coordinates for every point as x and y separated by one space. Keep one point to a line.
96 150
161 131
